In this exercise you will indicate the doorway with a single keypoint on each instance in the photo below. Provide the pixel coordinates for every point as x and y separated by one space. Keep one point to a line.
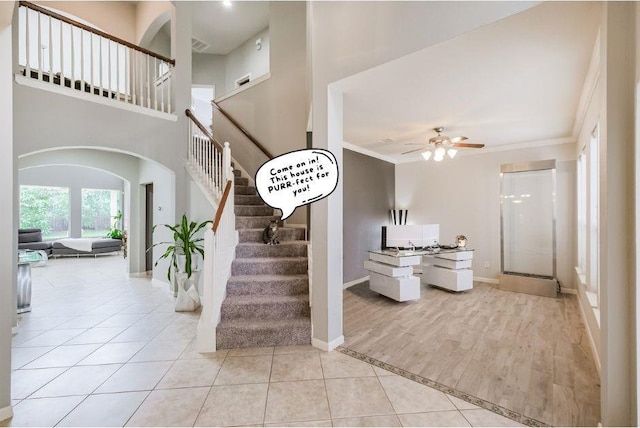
201 97
148 229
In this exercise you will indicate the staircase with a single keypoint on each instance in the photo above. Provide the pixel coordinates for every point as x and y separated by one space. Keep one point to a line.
267 301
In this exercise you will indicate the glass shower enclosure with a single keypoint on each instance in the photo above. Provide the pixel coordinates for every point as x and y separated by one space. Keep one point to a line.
528 227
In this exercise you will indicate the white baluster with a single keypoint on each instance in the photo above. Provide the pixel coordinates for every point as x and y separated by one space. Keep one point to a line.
101 84
50 51
93 76
155 88
82 60
117 71
27 67
127 71
227 171
134 86
73 58
148 83
39 47
61 55
162 91
169 79
110 88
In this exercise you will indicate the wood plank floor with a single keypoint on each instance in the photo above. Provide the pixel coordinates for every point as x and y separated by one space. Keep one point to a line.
526 353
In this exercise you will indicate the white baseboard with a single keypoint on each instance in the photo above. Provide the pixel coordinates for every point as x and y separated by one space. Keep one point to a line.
324 346
567 290
355 282
488 280
138 274
6 413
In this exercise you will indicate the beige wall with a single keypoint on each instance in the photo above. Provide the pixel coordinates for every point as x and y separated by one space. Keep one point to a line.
273 111
114 17
150 16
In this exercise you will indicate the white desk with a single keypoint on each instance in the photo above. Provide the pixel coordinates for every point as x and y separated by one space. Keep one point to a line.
449 269
391 274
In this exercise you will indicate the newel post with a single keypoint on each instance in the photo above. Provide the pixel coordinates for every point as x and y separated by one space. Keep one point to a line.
206 339
227 170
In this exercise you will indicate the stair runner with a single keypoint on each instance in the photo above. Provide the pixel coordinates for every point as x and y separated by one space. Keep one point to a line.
267 300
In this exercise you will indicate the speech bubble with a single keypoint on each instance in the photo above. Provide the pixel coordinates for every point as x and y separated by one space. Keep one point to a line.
297 178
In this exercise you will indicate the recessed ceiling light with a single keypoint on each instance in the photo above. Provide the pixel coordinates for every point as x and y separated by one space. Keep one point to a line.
227 3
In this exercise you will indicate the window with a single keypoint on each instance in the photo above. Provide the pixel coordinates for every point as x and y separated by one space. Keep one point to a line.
588 186
46 208
594 199
582 214
99 206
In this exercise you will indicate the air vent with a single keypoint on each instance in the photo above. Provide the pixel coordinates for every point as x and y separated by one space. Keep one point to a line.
198 45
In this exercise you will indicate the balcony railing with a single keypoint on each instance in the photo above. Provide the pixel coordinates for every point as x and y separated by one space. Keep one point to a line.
61 51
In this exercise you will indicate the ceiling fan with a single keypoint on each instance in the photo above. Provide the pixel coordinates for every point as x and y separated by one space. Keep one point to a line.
442 145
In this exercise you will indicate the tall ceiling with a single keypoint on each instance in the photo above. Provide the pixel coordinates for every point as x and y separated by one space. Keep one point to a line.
224 28
515 81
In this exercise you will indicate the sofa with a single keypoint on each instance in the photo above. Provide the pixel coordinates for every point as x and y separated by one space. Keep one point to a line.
93 246
31 239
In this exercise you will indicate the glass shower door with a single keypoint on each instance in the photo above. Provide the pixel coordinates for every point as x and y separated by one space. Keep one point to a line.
528 219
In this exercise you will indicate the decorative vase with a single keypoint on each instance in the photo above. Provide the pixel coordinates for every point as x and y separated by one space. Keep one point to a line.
188 298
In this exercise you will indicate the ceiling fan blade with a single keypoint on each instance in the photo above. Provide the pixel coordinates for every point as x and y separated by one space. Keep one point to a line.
468 145
458 139
411 151
415 144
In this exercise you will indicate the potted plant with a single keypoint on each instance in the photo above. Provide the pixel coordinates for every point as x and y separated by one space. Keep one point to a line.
115 232
183 255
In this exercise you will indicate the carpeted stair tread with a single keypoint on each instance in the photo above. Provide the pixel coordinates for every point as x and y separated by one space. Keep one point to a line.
253 210
284 249
268 284
284 234
248 200
245 190
269 266
241 181
264 307
255 222
256 333
237 173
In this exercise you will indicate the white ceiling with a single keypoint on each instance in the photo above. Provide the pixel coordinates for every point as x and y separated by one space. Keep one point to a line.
225 28
515 81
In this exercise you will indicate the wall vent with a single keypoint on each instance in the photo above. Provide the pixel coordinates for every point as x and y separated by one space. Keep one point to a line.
198 45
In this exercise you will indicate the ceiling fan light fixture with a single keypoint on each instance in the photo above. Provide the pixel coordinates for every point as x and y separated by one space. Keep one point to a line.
427 155
452 152
440 151
438 157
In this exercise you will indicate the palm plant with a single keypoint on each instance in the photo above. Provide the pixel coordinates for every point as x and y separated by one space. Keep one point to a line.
184 243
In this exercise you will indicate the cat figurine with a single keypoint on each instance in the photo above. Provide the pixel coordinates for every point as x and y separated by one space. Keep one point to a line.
270 234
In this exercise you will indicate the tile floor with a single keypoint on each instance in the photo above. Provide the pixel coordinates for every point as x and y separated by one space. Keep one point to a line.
103 349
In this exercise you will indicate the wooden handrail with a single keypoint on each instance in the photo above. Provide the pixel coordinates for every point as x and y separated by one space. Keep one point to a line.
95 31
223 201
244 131
204 130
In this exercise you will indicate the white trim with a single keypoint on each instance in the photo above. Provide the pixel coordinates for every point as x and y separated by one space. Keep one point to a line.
589 88
355 282
74 93
368 152
14 330
242 88
326 347
6 413
487 280
594 350
567 290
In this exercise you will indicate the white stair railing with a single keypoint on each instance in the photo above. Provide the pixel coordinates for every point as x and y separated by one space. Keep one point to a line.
60 51
209 164
205 157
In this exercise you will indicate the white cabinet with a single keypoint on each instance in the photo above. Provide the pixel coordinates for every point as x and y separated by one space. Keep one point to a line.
450 270
392 275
